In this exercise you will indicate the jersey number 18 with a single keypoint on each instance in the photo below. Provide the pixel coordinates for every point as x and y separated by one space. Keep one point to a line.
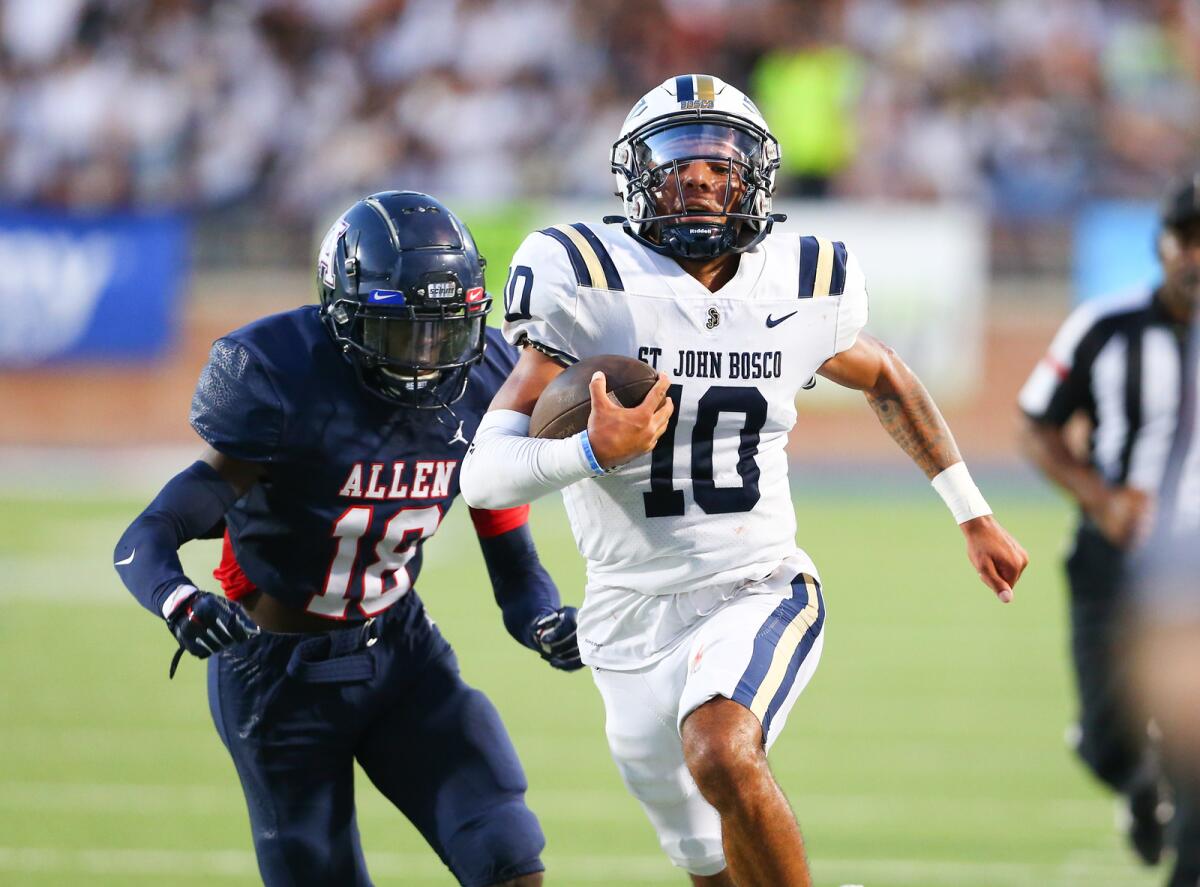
385 579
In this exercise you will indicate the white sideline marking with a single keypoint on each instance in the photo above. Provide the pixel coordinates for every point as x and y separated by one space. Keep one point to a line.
589 868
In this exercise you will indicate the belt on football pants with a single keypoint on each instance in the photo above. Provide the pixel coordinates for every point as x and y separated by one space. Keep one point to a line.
336 657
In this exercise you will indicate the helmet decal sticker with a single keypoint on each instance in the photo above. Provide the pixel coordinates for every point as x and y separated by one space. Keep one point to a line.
328 245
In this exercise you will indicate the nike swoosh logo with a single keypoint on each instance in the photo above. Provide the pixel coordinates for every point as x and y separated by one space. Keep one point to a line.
385 295
772 322
128 560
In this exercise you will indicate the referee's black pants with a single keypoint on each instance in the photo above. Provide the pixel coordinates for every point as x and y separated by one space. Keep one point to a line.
1111 742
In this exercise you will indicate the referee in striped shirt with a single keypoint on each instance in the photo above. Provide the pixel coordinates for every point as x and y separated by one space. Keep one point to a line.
1118 362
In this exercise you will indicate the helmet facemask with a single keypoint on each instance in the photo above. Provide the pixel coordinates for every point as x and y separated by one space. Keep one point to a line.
697 186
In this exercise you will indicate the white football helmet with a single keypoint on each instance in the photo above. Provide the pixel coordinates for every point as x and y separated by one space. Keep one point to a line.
680 144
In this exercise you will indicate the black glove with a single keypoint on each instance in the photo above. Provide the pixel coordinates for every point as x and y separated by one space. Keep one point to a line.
554 637
204 623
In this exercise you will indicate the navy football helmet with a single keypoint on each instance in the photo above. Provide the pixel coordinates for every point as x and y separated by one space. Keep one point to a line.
402 291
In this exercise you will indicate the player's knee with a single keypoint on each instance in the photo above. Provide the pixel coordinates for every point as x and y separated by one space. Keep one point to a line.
723 770
502 846
702 856
724 757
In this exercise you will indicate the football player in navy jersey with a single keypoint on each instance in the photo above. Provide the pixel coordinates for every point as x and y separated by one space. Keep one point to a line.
335 436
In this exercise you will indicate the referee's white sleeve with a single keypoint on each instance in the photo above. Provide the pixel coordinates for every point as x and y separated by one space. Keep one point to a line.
505 468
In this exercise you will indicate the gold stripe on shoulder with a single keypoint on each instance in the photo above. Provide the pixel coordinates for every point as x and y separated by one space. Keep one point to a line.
595 269
824 268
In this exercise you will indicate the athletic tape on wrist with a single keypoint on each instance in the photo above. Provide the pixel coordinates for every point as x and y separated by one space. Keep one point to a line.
175 598
960 494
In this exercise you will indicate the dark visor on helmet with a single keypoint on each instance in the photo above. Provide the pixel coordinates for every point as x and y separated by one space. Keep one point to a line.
697 141
423 343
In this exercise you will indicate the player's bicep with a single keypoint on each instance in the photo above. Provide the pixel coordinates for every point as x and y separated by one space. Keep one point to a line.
529 378
861 366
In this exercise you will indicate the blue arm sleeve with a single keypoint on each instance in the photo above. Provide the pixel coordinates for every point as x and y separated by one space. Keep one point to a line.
523 588
191 506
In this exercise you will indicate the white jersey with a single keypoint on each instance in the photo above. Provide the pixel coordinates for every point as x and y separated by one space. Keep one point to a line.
675 533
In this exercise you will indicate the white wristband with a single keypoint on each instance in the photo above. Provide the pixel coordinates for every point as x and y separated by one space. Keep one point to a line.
960 494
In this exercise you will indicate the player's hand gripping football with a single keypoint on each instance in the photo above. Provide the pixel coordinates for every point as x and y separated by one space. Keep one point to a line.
204 623
618 434
556 640
995 554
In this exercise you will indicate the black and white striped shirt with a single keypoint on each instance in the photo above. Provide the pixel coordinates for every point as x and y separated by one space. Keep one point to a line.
1179 507
1119 361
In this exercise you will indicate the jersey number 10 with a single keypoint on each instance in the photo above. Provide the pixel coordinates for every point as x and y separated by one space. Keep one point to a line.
665 501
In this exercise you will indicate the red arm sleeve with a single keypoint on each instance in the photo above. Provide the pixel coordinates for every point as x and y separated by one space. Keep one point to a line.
489 523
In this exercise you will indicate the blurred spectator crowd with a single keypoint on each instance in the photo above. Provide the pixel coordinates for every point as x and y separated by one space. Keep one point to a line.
1031 107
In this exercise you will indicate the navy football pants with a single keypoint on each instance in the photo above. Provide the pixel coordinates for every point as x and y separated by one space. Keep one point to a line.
296 711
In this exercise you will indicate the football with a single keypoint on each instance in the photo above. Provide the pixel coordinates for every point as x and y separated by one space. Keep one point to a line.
565 405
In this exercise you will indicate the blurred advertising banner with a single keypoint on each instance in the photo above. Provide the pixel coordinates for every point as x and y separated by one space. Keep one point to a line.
1114 248
88 287
927 274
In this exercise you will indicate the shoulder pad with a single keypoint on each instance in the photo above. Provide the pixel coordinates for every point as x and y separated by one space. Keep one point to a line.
590 259
235 407
541 294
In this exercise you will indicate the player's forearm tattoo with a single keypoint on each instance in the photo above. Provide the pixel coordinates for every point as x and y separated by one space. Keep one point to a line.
910 416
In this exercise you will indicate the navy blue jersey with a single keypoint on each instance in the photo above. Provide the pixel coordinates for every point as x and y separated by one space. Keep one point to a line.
353 485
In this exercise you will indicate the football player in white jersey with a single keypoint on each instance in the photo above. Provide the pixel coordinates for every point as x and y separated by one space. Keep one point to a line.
702 620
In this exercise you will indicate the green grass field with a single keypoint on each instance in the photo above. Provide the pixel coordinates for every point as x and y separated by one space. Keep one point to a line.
927 751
